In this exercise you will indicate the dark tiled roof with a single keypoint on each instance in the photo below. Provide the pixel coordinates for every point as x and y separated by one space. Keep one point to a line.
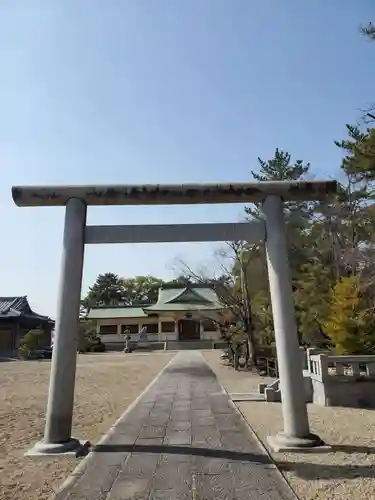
12 307
14 304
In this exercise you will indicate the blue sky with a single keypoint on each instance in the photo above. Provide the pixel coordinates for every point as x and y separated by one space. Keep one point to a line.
136 91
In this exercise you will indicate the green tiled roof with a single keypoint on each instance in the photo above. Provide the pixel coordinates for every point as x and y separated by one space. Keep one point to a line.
116 312
186 299
188 296
183 307
168 294
170 299
210 295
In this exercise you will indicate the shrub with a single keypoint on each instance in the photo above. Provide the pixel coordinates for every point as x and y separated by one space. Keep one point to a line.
99 347
30 342
24 351
88 338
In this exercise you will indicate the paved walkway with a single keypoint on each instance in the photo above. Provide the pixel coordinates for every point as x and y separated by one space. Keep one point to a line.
182 440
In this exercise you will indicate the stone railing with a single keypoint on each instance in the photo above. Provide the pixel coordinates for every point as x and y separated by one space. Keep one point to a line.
269 366
324 365
341 380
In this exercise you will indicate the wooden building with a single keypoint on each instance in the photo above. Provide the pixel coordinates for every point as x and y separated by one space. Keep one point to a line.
181 313
16 319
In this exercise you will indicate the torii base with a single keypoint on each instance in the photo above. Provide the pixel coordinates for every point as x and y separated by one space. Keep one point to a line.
73 447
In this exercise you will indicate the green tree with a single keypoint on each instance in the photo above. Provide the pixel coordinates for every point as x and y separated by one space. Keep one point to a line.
263 320
298 216
368 31
111 290
281 168
353 214
311 295
106 291
140 289
359 159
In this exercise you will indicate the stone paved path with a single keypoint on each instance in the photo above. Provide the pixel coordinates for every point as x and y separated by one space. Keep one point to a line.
183 440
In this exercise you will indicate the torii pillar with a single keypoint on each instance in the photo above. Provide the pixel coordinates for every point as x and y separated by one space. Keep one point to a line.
296 432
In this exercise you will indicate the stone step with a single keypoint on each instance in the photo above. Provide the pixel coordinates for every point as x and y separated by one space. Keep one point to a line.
180 345
238 397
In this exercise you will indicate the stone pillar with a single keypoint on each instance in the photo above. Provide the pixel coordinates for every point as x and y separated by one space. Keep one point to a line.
176 329
161 336
57 434
119 329
296 425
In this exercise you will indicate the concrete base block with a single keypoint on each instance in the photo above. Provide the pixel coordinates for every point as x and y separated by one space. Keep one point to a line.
238 397
73 447
282 443
262 388
272 396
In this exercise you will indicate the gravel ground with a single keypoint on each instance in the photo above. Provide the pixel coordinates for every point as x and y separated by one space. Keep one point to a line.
346 472
233 381
105 386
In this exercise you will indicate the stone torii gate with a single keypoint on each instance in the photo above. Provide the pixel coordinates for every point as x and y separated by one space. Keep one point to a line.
271 195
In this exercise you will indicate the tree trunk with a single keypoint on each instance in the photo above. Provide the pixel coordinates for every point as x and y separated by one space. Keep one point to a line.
248 319
251 342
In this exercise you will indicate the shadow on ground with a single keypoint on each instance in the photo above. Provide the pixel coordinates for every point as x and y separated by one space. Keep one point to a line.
193 371
343 448
311 471
307 471
183 450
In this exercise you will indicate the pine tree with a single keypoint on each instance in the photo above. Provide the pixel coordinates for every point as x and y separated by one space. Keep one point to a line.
359 159
297 214
297 217
368 31
281 168
111 290
106 291
353 215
